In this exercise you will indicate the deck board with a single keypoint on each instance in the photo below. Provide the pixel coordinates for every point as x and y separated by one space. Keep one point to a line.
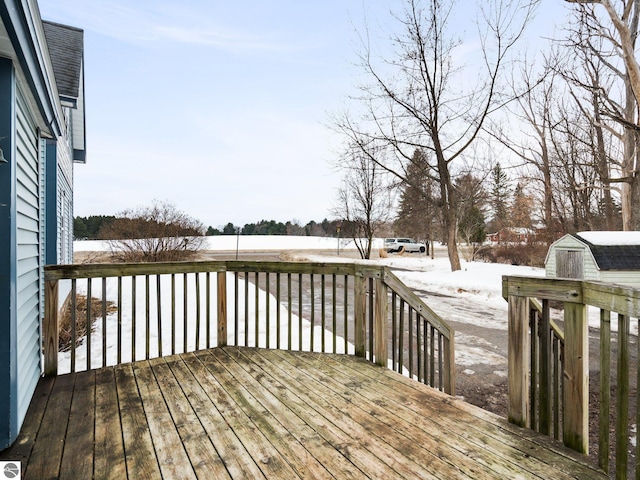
255 413
109 448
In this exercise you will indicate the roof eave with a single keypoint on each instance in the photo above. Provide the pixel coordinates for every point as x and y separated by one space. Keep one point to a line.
21 19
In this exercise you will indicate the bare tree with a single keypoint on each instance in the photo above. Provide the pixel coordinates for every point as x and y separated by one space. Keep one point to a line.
419 97
155 233
612 39
532 110
364 200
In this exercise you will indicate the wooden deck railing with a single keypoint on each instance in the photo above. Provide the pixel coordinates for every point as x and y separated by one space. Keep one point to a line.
150 310
549 367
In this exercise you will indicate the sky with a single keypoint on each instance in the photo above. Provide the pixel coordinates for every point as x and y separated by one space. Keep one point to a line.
220 108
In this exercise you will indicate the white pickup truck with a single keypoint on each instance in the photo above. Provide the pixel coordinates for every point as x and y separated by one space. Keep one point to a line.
403 244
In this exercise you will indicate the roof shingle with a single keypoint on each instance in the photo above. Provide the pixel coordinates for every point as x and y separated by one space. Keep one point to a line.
614 257
66 48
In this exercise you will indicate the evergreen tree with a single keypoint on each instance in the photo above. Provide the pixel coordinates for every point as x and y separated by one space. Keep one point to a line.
499 198
417 209
472 200
89 227
229 229
472 226
79 229
521 208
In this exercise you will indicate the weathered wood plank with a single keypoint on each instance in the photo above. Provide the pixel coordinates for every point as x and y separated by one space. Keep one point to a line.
271 393
263 454
622 404
518 361
549 288
197 444
138 446
431 427
546 393
190 372
169 451
379 404
346 440
605 390
576 378
359 312
222 309
407 458
264 445
23 446
381 326
109 449
97 270
262 408
464 433
50 328
49 442
77 457
249 413
537 445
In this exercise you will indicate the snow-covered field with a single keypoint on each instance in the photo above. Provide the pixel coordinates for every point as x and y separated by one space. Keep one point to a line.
471 296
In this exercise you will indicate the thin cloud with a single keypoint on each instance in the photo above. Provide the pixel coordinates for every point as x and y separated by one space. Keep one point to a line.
222 39
143 23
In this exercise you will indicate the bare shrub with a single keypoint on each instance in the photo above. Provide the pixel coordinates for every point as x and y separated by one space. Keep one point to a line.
157 233
382 253
530 254
65 333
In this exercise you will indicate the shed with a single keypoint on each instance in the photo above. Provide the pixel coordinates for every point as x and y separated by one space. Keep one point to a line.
612 257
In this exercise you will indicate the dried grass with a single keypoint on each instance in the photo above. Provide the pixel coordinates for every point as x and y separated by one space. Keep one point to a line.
65 334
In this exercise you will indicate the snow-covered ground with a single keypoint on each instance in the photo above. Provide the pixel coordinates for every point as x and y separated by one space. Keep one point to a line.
471 296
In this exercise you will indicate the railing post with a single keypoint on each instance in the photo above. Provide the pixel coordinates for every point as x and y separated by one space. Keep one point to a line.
50 327
622 404
605 389
222 309
360 309
518 361
576 378
381 324
545 369
449 365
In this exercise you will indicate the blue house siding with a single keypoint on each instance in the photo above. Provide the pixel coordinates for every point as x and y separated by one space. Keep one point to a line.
64 190
59 206
29 266
50 207
21 265
9 424
39 67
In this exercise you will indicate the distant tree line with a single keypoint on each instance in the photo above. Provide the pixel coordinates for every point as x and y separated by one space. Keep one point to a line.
326 228
88 228
97 227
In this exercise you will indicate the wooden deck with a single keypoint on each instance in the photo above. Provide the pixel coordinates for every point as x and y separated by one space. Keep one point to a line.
252 413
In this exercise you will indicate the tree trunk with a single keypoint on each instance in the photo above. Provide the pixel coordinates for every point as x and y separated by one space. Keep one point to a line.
548 193
449 200
629 216
452 245
602 165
